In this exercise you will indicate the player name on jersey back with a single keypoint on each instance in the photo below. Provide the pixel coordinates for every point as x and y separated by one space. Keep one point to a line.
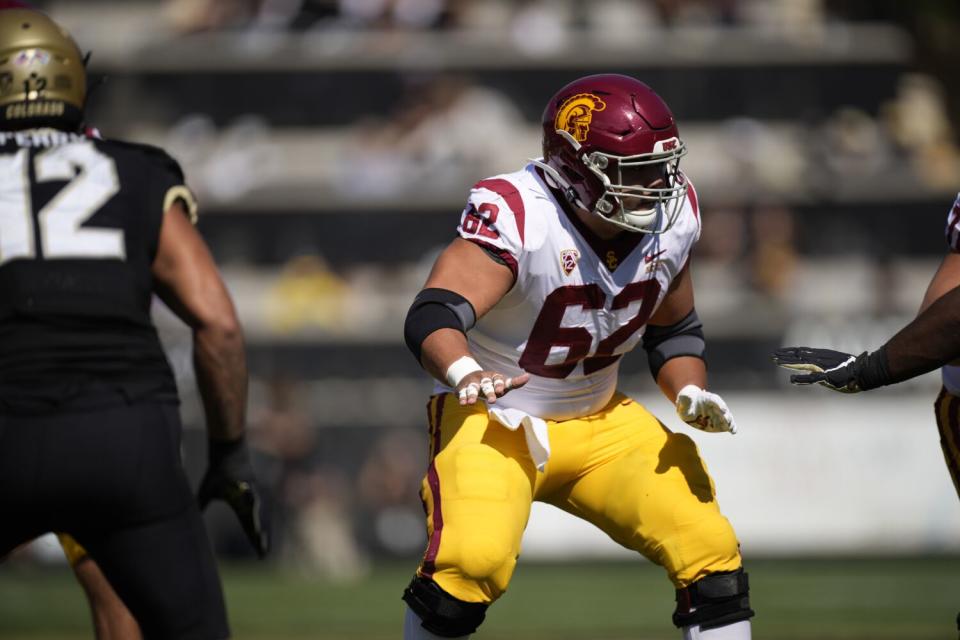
79 225
579 302
39 138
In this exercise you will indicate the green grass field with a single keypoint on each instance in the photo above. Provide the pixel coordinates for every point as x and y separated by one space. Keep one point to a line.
822 599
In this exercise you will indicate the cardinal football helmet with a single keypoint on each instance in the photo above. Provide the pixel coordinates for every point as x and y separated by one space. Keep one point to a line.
43 81
612 146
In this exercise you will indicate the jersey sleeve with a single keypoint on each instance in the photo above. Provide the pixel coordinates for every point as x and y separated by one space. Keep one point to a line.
165 187
694 201
494 220
172 186
688 225
953 226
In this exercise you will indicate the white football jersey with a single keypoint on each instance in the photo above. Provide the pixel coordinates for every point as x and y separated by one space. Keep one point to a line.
578 303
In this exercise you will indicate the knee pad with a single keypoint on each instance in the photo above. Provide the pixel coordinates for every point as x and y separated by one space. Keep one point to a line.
714 601
442 614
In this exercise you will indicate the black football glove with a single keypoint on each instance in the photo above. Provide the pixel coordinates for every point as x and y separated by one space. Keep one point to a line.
230 478
833 369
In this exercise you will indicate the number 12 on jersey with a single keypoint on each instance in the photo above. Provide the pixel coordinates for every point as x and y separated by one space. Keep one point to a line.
91 180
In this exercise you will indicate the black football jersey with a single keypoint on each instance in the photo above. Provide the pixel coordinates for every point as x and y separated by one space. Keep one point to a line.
79 226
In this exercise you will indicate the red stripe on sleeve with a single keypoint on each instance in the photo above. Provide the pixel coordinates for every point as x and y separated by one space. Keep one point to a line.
509 193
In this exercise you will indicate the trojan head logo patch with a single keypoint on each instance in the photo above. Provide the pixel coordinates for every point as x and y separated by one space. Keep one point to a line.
576 113
568 260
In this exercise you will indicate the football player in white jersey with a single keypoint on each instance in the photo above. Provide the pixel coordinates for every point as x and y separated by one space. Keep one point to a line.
559 269
932 340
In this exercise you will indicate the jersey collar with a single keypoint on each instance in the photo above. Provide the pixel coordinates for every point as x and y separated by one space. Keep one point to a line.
610 252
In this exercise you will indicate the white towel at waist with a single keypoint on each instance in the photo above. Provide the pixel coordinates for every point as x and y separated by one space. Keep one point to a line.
534 430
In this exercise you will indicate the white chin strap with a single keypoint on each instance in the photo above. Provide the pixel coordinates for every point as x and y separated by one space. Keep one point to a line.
557 181
638 221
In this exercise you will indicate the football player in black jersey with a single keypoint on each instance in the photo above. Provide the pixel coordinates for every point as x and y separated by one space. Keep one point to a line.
89 426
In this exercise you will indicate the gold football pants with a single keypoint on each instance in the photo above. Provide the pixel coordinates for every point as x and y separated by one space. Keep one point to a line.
620 469
72 549
947 408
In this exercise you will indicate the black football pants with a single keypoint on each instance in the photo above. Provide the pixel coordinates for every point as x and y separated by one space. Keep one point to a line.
112 478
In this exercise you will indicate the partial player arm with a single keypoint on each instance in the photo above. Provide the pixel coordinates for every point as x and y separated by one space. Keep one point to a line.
675 347
435 329
188 281
929 342
946 278
915 350
922 346
673 343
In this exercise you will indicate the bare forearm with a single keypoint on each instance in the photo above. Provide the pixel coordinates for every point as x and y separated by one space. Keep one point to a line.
930 341
945 279
677 373
440 349
220 364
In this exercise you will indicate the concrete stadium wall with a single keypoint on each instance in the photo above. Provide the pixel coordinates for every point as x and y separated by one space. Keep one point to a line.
808 472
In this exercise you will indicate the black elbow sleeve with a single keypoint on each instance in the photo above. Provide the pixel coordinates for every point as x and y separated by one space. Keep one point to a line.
435 309
684 338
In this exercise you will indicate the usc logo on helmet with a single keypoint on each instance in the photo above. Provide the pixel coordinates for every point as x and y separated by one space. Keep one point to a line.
575 114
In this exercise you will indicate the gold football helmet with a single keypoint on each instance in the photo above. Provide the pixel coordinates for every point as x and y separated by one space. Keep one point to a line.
43 81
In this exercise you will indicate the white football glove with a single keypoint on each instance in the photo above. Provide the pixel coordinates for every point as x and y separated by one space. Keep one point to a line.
704 410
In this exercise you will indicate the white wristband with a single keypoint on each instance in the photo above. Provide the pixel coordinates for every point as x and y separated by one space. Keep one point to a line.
463 367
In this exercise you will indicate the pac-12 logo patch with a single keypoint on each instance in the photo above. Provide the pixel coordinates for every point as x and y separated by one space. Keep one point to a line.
576 113
568 260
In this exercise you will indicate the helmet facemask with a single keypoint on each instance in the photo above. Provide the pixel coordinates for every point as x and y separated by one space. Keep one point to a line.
642 193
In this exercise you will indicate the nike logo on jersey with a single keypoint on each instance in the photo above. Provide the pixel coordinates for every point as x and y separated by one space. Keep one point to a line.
650 257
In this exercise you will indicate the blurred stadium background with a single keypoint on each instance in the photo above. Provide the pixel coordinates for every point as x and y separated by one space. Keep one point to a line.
332 143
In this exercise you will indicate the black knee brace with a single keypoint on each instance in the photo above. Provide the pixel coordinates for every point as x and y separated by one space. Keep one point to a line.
442 614
714 601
